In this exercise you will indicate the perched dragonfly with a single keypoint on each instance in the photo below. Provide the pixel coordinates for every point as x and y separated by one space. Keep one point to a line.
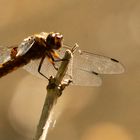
31 54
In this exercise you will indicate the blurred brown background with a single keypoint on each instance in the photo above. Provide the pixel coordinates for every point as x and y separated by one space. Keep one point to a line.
109 112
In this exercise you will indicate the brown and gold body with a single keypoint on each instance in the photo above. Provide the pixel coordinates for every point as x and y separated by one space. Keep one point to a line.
41 48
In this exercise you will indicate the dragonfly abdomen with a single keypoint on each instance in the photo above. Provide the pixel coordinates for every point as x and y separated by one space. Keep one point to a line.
12 65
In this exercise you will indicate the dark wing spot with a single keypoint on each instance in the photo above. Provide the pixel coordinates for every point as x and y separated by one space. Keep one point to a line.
95 73
114 60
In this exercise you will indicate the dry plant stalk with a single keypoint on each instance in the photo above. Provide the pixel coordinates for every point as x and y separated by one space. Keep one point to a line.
54 90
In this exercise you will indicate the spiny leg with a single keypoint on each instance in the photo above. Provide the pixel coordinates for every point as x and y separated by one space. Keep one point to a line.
54 54
52 60
39 67
59 60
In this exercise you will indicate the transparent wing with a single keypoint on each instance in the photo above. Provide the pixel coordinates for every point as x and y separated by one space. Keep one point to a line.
99 64
47 68
81 76
28 42
85 78
4 54
85 67
25 45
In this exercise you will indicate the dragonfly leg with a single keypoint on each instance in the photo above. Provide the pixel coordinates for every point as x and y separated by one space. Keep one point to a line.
53 55
57 60
52 60
39 67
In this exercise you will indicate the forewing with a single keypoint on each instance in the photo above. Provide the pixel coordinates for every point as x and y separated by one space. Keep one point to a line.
25 45
85 67
4 54
99 64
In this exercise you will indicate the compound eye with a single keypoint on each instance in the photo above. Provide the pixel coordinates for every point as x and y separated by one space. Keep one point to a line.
54 40
58 41
59 37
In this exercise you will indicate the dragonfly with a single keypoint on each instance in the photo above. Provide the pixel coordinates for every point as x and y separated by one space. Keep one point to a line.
40 54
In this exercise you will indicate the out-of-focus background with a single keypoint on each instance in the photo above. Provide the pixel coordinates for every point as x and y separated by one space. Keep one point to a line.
109 112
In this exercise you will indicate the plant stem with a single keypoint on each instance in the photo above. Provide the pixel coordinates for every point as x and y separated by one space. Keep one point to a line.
54 90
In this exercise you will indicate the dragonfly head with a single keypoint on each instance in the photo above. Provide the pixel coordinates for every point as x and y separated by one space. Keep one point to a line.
54 40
